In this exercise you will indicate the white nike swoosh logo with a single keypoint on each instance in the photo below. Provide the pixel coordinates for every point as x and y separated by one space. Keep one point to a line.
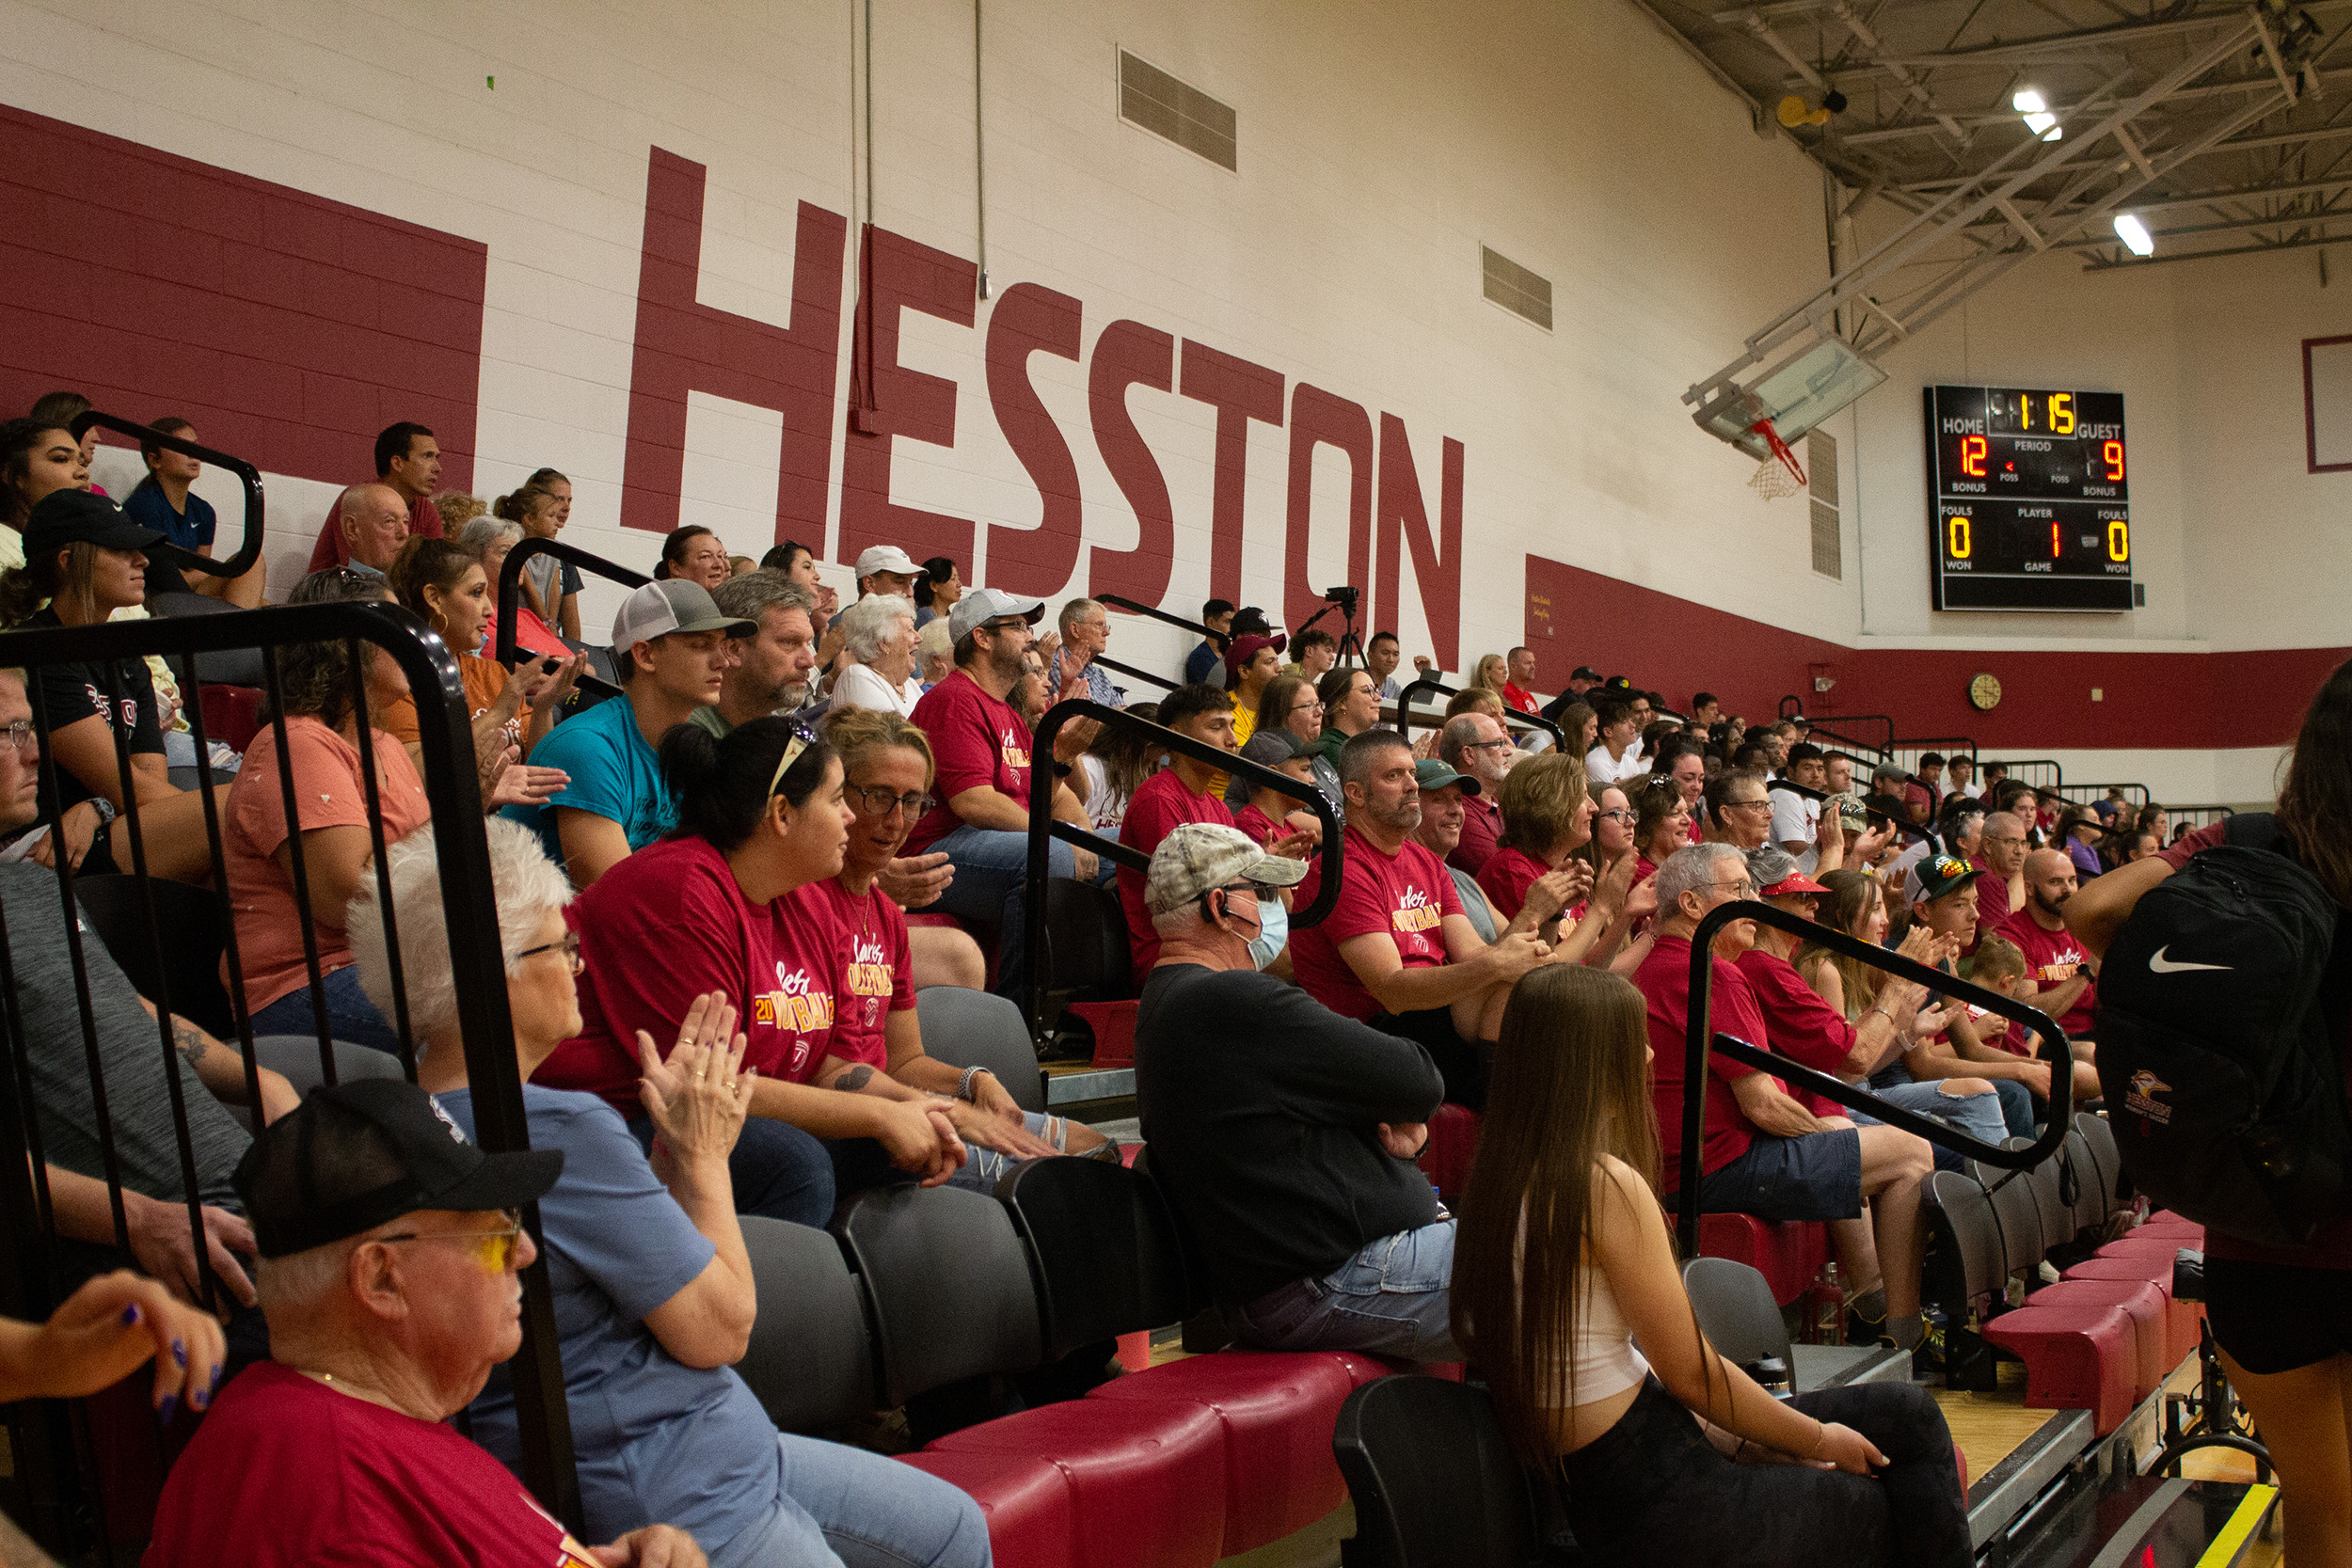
2160 964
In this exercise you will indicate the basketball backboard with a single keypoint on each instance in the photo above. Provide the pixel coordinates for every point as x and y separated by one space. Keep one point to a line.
1796 394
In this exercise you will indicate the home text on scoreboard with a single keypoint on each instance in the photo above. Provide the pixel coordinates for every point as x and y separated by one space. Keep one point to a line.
2028 498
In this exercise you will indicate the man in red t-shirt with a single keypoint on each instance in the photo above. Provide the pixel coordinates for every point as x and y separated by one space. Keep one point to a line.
1396 951
408 461
338 1449
1178 793
2001 856
982 747
1762 1152
2061 968
1476 746
1519 665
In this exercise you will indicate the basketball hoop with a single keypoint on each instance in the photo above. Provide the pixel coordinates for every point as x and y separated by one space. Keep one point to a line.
1778 475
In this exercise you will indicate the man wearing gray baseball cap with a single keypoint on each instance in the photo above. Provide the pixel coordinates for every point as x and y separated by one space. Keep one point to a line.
670 645
1281 1128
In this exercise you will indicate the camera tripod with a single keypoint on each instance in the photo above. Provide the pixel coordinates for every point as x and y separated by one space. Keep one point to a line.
1351 648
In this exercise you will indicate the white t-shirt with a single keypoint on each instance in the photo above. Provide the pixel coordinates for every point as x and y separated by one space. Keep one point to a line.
1604 770
858 687
1795 818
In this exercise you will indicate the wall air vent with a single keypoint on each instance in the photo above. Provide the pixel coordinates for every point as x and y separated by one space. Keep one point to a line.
1152 99
1821 472
1516 289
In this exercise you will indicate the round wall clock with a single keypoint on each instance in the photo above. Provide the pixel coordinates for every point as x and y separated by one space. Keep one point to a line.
1984 692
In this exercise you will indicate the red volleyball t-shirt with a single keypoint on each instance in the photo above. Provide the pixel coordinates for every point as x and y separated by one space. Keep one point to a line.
2053 958
1159 805
1404 895
976 741
1802 1027
1260 828
1664 982
1506 876
663 926
877 974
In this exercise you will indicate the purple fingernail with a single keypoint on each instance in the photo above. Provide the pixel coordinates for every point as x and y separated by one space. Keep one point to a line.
131 1314
179 1353
166 1411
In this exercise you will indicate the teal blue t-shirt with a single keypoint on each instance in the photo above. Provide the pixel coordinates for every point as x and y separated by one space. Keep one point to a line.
615 774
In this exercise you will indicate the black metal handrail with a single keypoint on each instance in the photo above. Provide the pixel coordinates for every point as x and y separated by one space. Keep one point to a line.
511 577
1120 601
2054 780
1840 727
462 851
247 475
1132 674
2089 794
1699 1037
1045 772
1510 715
2204 816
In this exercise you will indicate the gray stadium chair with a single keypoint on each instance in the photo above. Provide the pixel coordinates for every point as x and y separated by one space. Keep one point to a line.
1739 1318
811 1360
952 1283
975 1028
297 1057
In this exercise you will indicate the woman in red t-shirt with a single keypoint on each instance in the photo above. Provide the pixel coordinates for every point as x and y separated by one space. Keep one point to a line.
886 773
760 815
1662 825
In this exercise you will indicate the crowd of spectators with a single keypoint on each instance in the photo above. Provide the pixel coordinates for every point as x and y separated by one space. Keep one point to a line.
755 819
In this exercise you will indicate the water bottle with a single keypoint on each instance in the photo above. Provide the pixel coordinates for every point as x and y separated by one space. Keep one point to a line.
1829 1321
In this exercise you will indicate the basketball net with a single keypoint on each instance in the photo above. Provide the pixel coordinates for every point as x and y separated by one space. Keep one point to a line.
1778 475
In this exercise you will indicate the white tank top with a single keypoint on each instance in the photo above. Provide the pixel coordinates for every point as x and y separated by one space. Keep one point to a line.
1604 1359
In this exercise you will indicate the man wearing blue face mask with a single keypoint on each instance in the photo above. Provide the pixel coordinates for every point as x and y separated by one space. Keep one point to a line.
1282 1130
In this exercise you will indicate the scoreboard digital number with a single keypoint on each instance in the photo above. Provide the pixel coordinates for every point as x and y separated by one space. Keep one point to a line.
2029 494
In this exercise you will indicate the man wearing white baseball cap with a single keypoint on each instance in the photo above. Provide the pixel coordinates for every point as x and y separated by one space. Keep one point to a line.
886 569
980 744
1281 1128
670 645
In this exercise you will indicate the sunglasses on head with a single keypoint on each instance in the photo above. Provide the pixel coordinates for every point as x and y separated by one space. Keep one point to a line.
801 740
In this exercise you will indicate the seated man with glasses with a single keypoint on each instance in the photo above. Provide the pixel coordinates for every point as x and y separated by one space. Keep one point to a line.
979 816
1285 1134
1763 1152
1476 746
388 1251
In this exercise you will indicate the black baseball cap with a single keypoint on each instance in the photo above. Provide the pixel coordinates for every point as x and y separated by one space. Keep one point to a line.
1586 672
65 517
357 1154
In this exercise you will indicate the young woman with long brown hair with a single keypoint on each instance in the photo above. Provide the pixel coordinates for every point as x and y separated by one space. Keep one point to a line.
2283 1318
1670 1454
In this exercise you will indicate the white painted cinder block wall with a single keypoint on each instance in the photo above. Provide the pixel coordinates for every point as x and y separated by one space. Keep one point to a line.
1379 147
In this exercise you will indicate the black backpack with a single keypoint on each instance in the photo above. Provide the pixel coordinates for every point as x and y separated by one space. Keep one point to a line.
2220 1027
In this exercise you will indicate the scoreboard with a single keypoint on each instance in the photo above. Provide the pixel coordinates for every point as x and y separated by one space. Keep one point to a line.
2029 499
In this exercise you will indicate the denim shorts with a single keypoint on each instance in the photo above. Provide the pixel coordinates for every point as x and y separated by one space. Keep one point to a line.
1818 1177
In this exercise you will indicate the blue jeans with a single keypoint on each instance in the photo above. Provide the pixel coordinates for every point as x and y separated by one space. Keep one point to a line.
990 866
985 1167
1979 1116
841 1507
350 1016
1389 1299
778 1170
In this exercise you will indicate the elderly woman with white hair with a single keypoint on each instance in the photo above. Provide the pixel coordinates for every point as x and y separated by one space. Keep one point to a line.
654 1297
490 540
877 637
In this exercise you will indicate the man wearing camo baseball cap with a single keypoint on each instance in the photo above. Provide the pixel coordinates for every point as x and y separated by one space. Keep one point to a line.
1280 1127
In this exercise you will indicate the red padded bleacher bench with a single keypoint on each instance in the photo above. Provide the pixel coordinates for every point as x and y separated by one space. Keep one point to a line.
2141 1302
1787 1253
1147 1478
1113 1027
2181 1318
1032 1519
1279 1411
1452 1149
2080 1356
232 714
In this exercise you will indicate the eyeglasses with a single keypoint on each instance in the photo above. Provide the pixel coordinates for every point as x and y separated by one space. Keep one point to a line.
1487 746
20 733
569 948
1741 889
877 801
494 1250
1002 625
1620 816
1729 805
1312 705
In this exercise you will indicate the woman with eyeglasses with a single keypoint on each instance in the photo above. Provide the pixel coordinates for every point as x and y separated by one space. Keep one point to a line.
1739 810
711 908
653 1294
1546 817
886 773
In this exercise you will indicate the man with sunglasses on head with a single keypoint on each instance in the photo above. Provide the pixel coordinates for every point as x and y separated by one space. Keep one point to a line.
981 746
390 1249
1285 1134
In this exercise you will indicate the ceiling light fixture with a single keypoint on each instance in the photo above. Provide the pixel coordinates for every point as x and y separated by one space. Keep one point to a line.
2038 119
2133 234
